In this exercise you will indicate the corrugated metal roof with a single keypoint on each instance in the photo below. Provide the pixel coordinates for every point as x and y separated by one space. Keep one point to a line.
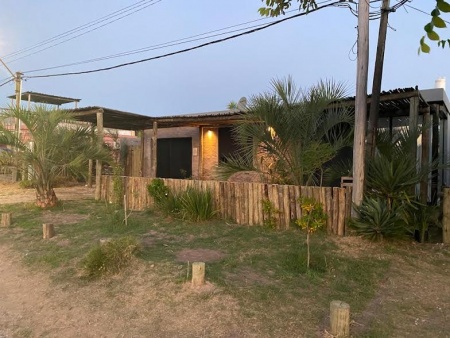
45 98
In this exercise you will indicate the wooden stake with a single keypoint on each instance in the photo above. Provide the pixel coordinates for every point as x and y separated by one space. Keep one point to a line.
6 219
198 273
339 318
446 216
48 230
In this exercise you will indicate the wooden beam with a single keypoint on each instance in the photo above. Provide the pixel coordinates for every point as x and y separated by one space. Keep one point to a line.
98 163
426 142
154 149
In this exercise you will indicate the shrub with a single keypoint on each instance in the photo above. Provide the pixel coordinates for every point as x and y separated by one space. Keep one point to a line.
165 200
269 213
377 219
110 257
197 205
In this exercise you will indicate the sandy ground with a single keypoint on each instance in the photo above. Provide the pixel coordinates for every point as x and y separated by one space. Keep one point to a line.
11 193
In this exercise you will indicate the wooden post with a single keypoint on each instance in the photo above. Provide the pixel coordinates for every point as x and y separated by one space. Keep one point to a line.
446 216
98 163
413 118
377 79
198 273
6 219
154 149
339 318
48 230
426 138
147 155
359 139
89 179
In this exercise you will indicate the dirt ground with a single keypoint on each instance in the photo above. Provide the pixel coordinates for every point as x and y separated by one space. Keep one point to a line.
11 193
413 300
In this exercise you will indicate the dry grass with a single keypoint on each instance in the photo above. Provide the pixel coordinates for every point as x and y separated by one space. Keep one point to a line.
257 285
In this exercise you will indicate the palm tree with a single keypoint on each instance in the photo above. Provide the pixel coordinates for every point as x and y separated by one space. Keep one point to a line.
59 145
289 134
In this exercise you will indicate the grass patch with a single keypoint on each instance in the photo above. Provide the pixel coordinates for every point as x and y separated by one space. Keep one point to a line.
263 270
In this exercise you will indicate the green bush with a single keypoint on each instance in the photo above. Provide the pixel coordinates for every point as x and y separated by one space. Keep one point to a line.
110 257
165 200
377 220
197 205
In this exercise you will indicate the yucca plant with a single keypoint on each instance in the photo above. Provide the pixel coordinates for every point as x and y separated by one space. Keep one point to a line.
197 205
377 220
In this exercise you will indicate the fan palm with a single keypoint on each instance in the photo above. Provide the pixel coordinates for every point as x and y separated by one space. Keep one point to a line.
291 133
58 145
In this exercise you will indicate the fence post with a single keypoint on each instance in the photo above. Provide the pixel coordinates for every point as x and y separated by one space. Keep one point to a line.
446 215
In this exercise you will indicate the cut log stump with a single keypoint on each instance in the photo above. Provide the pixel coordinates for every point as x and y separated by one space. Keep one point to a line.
198 273
340 318
6 219
48 230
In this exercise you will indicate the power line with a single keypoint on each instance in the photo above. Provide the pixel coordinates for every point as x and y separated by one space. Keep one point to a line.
5 83
172 43
134 9
149 48
423 12
251 31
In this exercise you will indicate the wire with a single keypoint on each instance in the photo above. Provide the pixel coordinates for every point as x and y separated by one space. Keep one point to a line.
81 28
172 43
423 12
5 83
251 31
150 48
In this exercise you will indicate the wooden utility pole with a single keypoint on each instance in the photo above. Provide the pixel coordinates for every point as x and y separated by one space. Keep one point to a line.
361 103
377 79
98 163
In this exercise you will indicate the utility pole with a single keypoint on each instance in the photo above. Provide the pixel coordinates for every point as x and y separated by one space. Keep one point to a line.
360 103
377 77
18 81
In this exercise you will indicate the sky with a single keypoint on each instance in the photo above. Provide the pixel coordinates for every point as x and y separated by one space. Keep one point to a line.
320 45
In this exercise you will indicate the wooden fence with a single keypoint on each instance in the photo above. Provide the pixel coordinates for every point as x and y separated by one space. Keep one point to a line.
243 202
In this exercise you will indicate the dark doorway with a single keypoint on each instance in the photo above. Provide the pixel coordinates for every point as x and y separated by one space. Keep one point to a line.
227 144
174 158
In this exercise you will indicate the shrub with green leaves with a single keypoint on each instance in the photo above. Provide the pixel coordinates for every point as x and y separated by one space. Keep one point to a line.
166 201
110 257
377 219
197 205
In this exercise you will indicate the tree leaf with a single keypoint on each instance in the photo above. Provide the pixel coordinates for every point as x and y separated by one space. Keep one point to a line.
435 12
433 36
443 6
428 27
424 47
438 22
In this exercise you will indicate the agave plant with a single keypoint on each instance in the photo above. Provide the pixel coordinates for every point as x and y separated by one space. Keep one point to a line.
59 146
290 133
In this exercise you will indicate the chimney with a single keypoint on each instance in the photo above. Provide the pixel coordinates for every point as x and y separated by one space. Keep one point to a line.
440 83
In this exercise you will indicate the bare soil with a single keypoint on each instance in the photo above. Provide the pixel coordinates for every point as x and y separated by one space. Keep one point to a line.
413 300
11 193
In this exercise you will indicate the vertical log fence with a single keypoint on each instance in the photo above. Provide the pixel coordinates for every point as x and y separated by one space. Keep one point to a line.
242 203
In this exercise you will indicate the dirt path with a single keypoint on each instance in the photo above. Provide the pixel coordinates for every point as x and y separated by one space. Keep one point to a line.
11 193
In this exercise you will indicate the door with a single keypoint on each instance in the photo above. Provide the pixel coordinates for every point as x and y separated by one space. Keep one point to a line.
174 159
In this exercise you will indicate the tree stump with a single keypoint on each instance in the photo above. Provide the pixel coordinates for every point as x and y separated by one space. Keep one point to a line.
48 230
6 219
340 318
198 273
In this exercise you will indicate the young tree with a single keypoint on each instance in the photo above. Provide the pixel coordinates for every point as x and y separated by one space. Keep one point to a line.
58 145
292 133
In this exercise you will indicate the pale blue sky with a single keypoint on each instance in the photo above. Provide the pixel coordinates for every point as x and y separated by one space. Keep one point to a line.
309 48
